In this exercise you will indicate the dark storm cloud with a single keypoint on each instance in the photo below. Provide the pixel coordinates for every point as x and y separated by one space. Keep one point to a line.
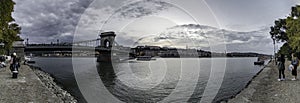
142 8
114 16
44 21
48 20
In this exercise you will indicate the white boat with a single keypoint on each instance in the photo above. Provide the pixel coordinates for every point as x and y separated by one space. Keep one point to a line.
27 58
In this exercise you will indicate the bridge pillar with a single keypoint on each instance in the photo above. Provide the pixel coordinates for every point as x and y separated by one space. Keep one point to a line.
107 39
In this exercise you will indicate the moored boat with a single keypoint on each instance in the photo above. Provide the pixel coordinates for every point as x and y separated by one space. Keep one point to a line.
259 63
28 60
144 58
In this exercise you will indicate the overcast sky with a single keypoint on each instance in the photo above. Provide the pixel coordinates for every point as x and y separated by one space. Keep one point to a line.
44 21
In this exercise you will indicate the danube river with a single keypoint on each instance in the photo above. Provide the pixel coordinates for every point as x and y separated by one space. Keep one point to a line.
163 79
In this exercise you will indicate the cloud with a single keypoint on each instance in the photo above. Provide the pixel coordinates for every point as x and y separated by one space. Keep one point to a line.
249 14
48 20
204 37
115 17
142 8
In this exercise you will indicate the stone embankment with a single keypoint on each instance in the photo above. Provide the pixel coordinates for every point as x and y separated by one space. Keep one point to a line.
31 86
52 86
265 88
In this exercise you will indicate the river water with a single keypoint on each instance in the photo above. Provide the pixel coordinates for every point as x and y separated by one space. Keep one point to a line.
161 80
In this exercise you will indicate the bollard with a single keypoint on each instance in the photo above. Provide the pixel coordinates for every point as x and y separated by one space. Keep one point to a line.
15 74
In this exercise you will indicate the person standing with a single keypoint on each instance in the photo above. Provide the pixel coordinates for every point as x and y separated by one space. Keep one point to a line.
295 63
14 65
281 67
2 61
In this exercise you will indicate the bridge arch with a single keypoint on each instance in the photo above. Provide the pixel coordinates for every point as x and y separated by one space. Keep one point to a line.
107 43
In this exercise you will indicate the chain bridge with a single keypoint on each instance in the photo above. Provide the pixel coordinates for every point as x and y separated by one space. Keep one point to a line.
99 46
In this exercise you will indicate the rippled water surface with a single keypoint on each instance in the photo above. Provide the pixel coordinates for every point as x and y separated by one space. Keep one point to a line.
164 79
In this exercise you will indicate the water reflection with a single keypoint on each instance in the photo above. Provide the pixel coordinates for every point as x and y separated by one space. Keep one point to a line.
108 73
238 73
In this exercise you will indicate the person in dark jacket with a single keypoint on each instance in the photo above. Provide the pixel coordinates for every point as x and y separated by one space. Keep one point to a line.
281 67
295 62
14 65
14 62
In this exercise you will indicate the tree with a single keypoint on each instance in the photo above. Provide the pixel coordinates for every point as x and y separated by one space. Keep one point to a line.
286 50
288 30
278 31
9 30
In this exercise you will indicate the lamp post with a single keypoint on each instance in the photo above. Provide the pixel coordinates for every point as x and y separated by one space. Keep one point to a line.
274 51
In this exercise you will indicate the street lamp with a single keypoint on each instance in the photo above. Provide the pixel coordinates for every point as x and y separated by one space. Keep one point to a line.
273 34
274 51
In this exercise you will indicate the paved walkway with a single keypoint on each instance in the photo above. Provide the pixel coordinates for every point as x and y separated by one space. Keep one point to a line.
27 88
266 89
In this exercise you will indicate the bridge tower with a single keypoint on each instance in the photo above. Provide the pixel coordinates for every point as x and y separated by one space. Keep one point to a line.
107 39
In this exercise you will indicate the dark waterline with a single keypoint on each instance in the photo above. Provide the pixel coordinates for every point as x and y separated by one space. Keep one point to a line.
239 71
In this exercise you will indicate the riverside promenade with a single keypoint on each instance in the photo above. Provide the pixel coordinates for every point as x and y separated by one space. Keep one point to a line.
27 88
265 88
